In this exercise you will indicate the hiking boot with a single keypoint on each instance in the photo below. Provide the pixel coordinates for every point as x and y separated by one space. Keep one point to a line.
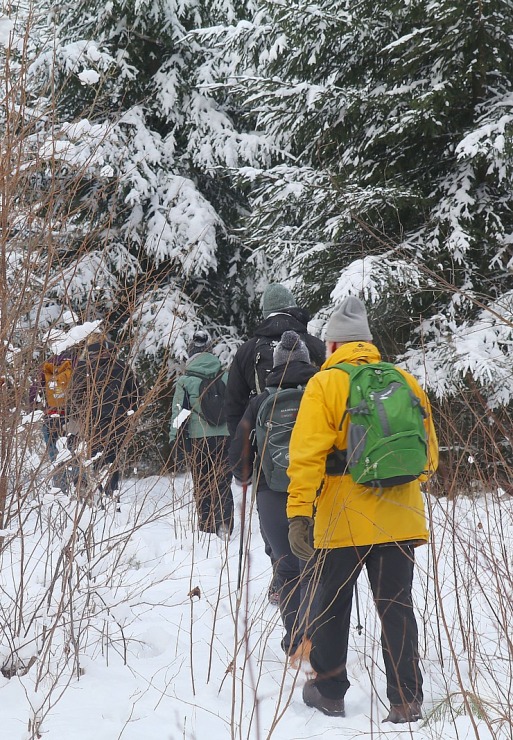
109 499
273 597
223 531
301 653
313 698
399 714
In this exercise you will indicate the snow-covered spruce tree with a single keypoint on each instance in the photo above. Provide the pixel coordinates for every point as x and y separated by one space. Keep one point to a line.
394 181
393 129
128 173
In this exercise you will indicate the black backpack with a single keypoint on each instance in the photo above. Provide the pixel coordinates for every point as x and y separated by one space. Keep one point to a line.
263 362
212 393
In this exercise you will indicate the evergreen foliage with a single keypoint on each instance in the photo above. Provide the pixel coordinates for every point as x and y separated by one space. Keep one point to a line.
121 209
127 145
391 171
172 158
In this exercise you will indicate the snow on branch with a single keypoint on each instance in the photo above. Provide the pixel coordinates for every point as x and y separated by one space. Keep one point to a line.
481 348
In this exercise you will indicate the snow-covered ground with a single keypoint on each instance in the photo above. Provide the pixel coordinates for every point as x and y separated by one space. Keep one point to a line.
132 627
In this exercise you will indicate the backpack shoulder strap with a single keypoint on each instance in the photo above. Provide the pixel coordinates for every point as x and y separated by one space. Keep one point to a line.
345 366
351 370
261 342
269 392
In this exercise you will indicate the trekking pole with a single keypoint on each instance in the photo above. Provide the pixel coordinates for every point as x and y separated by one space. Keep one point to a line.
241 540
359 625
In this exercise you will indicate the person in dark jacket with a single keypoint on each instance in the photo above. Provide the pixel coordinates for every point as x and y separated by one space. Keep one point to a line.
254 359
103 398
209 442
292 368
249 365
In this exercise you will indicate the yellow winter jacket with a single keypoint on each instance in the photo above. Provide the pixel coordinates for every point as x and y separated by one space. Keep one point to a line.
347 513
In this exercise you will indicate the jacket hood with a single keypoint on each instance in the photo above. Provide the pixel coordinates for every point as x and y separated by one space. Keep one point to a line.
203 365
355 353
290 375
291 319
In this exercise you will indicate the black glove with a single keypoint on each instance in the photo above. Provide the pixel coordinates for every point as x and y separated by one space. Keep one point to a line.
301 537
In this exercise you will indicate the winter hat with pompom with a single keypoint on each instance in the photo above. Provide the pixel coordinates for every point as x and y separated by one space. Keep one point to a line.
276 298
348 322
291 347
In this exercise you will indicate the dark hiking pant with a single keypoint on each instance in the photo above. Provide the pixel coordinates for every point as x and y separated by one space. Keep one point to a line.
296 587
109 459
53 429
212 479
390 572
276 580
275 584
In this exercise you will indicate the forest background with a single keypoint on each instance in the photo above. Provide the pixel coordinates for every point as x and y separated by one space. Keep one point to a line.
162 161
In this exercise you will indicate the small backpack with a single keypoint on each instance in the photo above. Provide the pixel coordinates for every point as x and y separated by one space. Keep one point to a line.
57 380
275 419
263 362
212 393
386 443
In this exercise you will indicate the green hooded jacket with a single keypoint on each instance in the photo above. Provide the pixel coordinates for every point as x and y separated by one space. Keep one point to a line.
186 396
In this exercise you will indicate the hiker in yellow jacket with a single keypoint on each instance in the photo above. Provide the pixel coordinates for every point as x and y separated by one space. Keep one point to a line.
353 526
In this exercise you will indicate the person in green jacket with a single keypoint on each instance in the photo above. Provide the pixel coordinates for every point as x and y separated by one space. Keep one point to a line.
208 437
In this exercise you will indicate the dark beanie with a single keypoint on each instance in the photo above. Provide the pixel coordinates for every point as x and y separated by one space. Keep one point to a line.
276 298
348 322
290 347
201 342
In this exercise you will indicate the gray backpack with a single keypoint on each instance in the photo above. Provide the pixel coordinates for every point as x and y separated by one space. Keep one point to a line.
274 423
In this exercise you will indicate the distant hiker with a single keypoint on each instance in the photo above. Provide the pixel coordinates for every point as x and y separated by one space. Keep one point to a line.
199 405
354 524
104 396
270 417
254 360
51 389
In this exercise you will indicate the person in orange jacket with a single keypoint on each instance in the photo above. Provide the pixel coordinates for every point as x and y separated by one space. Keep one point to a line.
354 525
51 389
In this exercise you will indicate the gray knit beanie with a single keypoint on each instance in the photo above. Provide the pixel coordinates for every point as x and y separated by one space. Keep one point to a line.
290 347
348 322
276 298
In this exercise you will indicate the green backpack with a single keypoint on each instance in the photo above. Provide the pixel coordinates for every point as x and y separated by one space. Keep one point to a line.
386 443
274 423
